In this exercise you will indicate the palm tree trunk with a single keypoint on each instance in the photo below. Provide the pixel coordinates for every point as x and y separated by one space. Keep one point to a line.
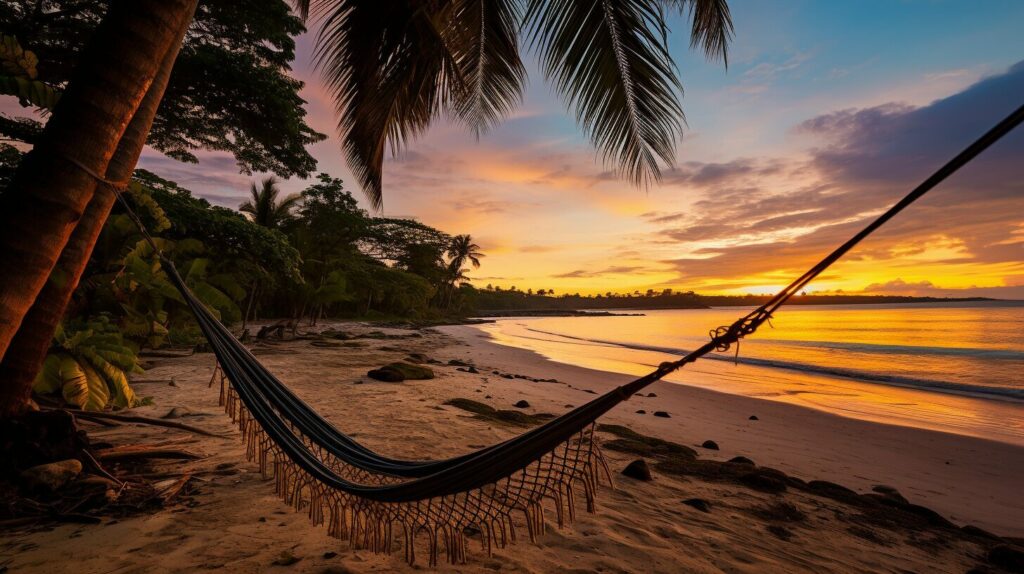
62 190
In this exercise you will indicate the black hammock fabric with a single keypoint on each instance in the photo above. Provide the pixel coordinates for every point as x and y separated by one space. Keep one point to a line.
433 479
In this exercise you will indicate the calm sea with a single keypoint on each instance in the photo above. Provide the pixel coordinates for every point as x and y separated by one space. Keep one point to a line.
951 367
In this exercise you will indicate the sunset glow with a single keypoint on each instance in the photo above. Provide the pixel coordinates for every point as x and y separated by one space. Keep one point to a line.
786 153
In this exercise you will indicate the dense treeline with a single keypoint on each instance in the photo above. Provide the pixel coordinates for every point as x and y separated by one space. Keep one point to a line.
492 300
303 258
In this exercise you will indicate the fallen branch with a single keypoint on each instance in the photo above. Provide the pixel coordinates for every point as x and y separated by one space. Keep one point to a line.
151 381
139 419
101 422
143 451
195 474
167 354
99 468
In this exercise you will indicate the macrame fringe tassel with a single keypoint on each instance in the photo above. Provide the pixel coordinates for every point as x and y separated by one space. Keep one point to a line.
443 522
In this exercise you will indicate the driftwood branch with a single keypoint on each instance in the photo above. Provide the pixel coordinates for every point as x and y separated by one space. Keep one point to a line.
143 451
141 420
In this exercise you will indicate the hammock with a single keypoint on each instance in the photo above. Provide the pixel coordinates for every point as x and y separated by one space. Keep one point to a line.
362 495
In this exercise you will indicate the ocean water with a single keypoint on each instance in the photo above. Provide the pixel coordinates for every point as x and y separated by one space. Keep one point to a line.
955 368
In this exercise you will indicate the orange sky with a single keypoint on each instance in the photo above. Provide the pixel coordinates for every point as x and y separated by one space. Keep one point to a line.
823 119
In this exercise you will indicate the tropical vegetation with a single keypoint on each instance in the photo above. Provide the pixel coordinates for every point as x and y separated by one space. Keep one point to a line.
391 67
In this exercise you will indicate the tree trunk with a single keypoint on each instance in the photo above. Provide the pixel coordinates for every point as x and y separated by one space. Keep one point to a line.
48 202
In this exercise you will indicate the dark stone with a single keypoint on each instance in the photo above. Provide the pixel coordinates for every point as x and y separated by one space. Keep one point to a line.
1007 557
972 530
889 493
741 460
641 412
417 358
752 418
329 555
410 371
662 414
522 405
764 481
638 469
698 503
398 372
458 363
652 395
569 406
833 491
385 374
472 370
710 445
286 558
933 518
515 417
52 476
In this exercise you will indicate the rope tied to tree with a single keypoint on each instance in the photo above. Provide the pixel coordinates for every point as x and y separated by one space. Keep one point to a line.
116 187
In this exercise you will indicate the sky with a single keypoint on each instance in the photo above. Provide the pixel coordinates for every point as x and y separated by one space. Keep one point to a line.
828 113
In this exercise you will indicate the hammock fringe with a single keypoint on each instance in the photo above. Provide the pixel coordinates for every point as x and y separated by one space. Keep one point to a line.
546 486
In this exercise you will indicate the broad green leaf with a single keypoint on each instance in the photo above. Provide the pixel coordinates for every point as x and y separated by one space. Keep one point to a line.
122 394
83 386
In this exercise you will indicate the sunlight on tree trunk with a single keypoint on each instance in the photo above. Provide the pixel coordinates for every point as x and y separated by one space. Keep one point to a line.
31 343
49 194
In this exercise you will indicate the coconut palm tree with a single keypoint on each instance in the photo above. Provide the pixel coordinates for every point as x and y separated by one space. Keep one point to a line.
264 209
56 181
31 343
461 250
393 67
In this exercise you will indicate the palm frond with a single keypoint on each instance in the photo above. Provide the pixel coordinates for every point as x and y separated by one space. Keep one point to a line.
610 61
389 73
712 27
483 38
302 8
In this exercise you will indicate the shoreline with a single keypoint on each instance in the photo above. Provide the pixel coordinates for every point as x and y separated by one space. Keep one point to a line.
942 470
231 520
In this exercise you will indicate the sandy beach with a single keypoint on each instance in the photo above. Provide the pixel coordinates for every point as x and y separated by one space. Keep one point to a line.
232 521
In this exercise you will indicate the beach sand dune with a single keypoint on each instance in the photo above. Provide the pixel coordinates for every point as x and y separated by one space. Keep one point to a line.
233 522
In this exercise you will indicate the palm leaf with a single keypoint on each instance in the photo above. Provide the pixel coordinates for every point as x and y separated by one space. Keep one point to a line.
82 385
712 28
122 396
482 36
389 72
608 60
29 92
